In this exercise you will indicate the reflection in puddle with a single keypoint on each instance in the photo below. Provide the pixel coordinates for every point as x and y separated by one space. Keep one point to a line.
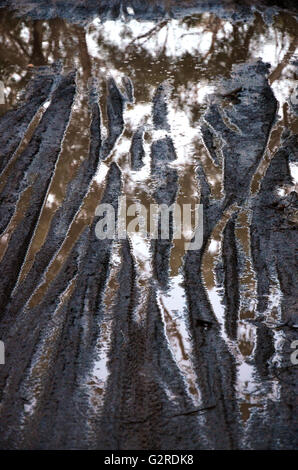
98 376
74 149
189 56
173 308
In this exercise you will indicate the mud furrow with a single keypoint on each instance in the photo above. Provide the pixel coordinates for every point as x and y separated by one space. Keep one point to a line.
229 253
103 350
38 175
165 180
75 193
20 118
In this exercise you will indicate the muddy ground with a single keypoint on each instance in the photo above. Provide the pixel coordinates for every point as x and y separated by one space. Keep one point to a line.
137 343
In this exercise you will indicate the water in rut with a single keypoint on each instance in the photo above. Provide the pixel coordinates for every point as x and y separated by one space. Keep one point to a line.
139 343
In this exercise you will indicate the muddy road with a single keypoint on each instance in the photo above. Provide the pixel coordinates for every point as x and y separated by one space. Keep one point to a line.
138 342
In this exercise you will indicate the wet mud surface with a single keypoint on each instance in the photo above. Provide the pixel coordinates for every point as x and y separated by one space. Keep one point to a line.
138 343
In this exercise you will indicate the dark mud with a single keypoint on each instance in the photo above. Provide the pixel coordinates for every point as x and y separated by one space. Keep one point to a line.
81 11
112 346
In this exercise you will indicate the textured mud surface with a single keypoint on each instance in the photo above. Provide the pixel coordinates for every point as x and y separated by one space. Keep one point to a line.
137 343
81 10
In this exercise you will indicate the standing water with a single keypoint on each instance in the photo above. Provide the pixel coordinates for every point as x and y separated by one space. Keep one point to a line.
143 342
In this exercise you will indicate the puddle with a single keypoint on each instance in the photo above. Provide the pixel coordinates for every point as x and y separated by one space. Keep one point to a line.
191 54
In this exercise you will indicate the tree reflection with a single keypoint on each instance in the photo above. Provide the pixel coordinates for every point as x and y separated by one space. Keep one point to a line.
149 57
